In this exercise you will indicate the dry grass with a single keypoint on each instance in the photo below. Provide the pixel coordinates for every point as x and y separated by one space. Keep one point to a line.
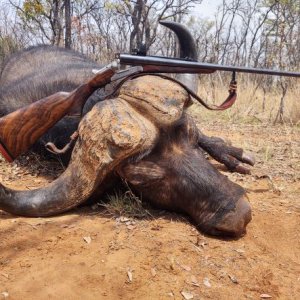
254 105
125 204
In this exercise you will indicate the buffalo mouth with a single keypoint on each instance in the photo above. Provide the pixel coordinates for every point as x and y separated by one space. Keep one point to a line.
167 185
233 223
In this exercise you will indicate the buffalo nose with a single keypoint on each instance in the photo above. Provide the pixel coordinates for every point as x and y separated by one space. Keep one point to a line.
234 223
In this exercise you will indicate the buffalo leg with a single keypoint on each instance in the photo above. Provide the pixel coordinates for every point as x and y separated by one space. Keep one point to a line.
232 157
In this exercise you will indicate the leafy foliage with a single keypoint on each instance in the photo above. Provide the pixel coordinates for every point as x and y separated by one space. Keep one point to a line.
33 9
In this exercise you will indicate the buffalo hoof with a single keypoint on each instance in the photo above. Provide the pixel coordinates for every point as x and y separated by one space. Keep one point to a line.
233 158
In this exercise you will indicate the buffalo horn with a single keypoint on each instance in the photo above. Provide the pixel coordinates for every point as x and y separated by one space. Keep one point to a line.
187 50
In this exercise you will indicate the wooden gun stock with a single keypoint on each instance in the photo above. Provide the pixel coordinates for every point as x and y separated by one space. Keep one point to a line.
20 129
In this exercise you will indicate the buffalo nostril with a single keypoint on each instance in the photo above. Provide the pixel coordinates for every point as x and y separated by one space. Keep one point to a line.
234 223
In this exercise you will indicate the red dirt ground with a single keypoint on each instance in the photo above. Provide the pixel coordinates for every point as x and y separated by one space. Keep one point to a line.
87 254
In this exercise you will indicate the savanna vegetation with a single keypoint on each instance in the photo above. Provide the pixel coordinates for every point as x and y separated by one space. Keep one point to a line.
259 33
122 248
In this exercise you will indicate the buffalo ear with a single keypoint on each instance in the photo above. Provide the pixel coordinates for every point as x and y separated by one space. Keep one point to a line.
142 173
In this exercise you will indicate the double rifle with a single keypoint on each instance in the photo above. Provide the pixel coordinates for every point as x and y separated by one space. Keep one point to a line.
20 129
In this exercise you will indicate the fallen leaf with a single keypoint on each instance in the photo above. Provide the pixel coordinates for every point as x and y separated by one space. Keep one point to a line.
94 207
124 219
201 242
265 296
172 263
186 268
129 274
5 294
68 226
156 227
240 251
130 227
233 279
187 295
5 275
222 274
153 272
87 239
194 281
206 282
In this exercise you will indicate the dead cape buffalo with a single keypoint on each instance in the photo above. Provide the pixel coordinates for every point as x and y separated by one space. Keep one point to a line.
142 135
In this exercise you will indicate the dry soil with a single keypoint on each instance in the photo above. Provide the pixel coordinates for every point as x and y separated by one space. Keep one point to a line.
88 254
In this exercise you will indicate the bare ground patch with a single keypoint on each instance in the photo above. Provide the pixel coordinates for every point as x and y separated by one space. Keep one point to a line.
88 254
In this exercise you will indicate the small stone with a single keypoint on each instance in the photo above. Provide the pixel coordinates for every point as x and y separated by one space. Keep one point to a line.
187 295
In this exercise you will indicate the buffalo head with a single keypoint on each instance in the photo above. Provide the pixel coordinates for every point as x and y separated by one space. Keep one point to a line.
144 136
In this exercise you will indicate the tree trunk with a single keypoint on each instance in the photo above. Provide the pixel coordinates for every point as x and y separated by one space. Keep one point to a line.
279 118
57 28
68 40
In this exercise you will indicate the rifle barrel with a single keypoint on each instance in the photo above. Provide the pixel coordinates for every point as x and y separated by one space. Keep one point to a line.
129 59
